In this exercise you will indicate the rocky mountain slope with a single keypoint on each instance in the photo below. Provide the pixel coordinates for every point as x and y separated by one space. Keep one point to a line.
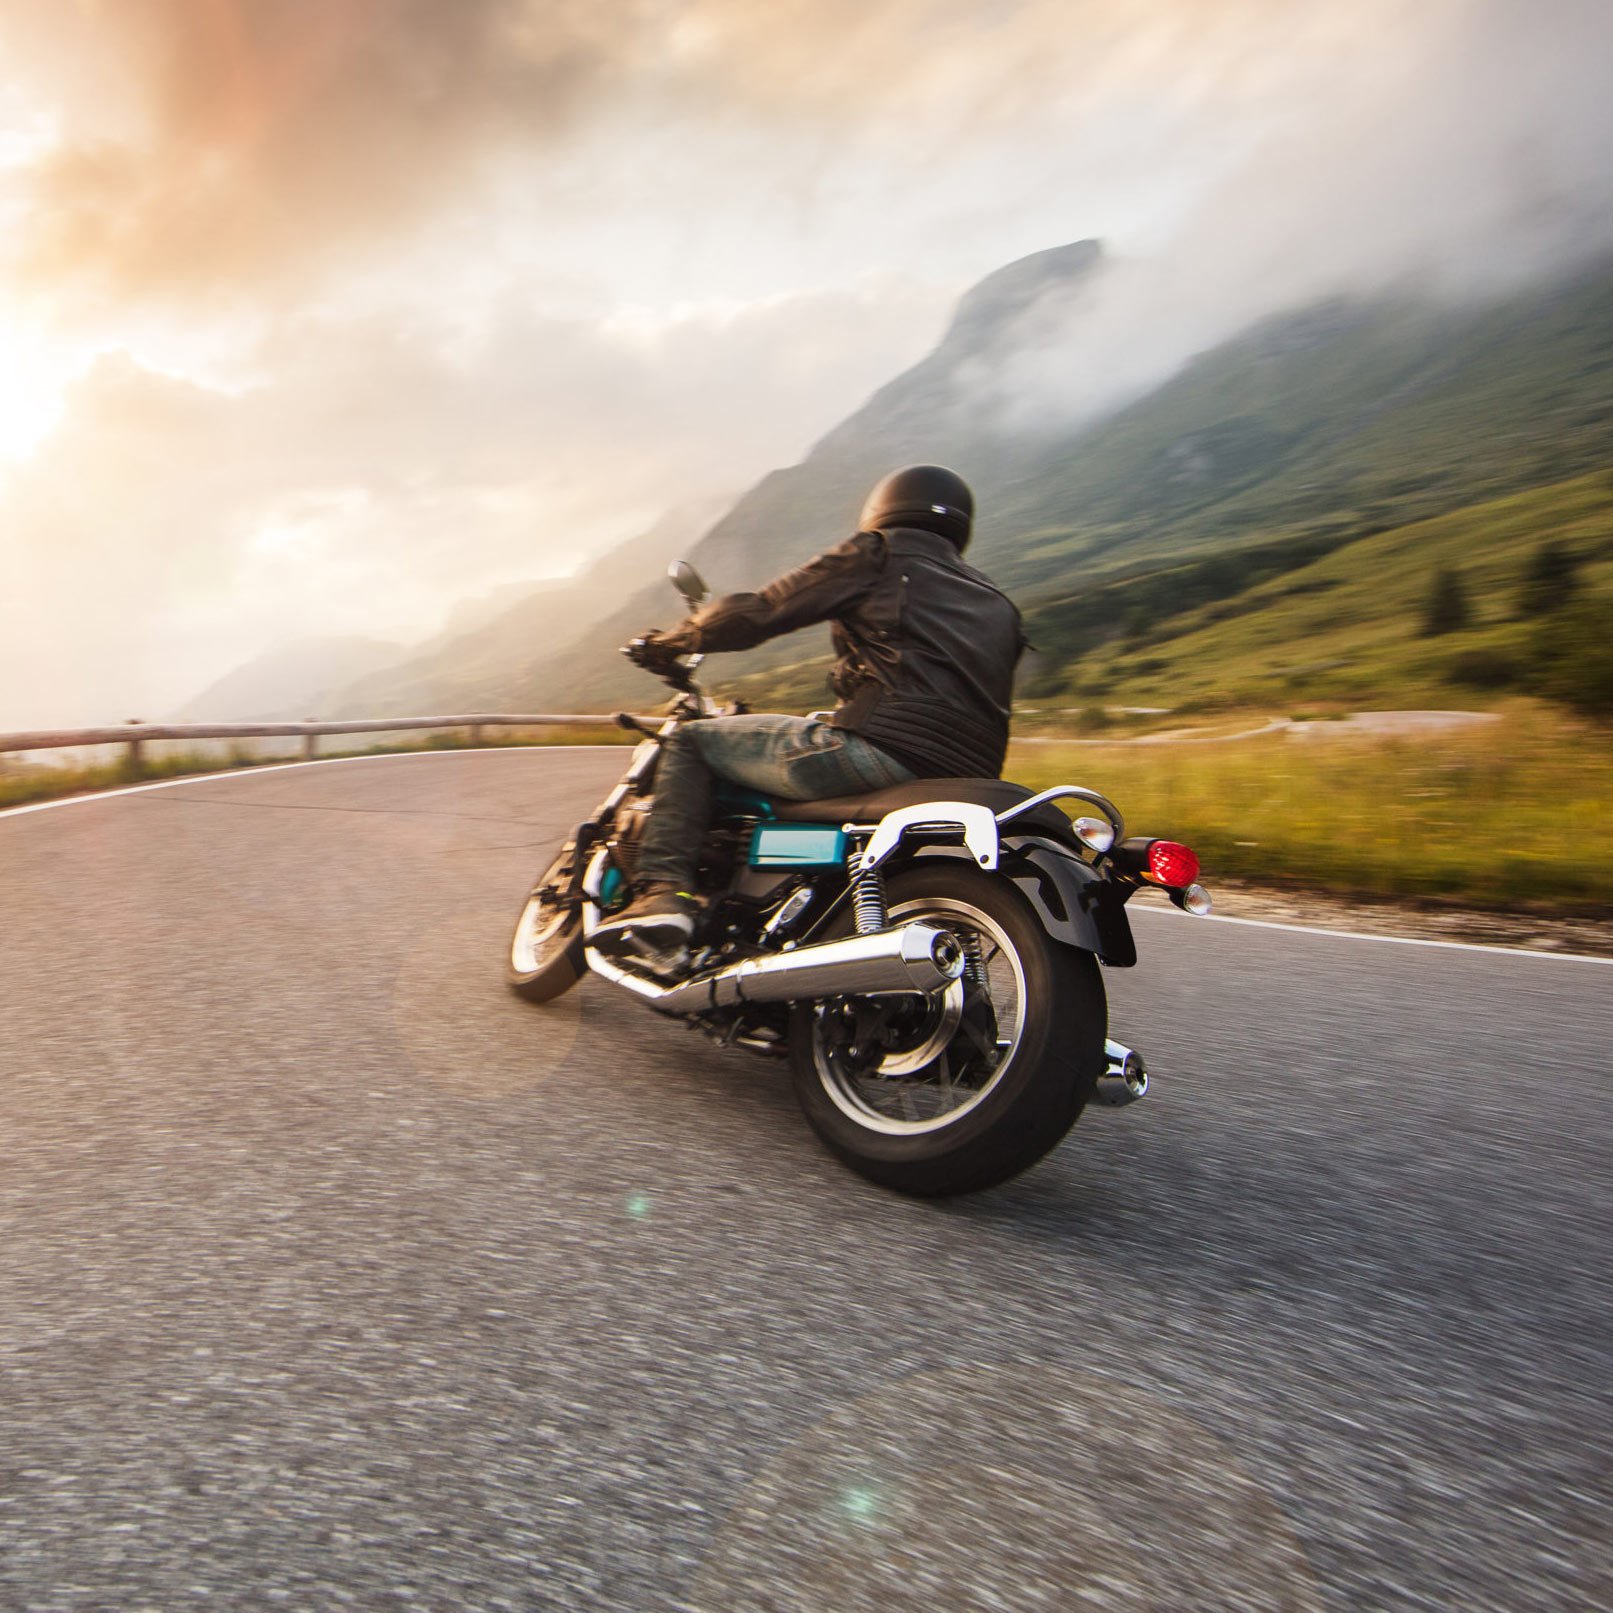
498 660
289 681
490 653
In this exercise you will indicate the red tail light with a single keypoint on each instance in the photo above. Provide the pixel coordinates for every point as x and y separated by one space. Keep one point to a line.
1171 865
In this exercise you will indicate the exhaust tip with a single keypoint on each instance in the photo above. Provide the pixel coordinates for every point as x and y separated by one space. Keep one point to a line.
1126 1078
946 953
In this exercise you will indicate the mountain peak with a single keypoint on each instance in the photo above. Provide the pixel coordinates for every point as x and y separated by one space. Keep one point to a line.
995 316
992 305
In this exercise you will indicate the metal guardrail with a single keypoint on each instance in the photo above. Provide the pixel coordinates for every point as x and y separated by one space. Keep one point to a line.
135 734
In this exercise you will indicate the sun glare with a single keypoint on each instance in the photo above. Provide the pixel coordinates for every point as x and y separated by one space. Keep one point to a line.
30 396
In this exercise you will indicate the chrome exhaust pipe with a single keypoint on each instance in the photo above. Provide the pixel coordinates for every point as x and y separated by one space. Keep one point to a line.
916 957
1125 1079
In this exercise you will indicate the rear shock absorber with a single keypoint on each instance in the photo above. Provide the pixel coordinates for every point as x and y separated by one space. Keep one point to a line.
868 902
974 961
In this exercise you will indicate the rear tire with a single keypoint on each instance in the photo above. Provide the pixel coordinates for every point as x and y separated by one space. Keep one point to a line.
546 956
947 1116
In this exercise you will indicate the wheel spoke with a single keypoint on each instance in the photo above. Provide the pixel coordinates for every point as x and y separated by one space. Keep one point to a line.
951 1061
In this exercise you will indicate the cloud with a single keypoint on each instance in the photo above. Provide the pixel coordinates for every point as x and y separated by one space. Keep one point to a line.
212 148
207 142
1470 158
379 471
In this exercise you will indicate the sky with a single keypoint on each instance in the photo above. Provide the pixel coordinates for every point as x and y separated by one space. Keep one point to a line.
320 316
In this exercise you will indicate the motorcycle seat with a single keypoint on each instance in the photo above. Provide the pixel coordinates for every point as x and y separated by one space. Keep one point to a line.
998 794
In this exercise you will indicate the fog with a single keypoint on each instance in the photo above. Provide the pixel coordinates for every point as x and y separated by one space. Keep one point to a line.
1470 161
343 311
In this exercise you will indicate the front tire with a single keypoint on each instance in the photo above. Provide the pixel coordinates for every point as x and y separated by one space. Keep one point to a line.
546 956
991 1075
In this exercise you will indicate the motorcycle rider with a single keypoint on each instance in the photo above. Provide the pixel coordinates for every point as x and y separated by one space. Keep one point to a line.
926 649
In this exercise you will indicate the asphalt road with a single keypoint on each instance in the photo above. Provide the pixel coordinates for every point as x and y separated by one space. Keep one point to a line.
333 1276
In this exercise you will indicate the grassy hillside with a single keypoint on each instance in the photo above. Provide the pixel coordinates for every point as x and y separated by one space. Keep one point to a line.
1345 417
1327 621
1349 627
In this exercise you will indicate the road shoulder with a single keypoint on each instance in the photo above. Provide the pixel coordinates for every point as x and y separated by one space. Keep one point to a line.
1420 921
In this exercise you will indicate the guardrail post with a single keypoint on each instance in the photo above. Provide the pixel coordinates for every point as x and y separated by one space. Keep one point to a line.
310 742
137 757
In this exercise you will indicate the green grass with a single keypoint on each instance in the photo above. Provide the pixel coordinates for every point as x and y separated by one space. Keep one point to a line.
49 783
1518 812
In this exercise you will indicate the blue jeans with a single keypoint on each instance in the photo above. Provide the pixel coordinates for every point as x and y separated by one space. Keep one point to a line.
793 757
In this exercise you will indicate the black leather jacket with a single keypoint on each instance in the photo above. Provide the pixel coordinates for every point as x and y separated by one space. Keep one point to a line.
926 645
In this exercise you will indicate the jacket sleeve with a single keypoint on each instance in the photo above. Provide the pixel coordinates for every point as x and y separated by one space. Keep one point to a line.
815 592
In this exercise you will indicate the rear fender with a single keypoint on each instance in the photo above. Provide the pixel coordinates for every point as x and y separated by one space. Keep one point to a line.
1077 905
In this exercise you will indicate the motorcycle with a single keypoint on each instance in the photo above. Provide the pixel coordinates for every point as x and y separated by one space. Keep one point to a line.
926 956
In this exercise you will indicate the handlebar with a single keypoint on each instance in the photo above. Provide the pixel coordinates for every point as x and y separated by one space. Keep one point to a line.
678 675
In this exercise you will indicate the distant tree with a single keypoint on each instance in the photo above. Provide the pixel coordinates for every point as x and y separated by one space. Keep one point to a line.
1573 655
1484 667
1550 579
1446 609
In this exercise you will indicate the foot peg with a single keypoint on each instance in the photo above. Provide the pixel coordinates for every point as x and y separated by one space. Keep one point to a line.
1125 1079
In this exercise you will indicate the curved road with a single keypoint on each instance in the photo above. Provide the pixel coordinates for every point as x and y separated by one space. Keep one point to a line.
333 1276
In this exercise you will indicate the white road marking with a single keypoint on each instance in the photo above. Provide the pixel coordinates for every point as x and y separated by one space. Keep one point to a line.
398 756
281 767
1390 940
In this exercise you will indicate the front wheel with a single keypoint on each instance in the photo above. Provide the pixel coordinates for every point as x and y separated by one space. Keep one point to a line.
547 949
966 1088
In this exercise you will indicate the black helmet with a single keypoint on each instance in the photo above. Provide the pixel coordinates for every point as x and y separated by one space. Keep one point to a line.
928 497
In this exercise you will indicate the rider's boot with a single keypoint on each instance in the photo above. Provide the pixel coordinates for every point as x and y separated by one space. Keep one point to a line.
658 921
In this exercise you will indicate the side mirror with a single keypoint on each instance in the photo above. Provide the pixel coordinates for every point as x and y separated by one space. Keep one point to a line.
688 582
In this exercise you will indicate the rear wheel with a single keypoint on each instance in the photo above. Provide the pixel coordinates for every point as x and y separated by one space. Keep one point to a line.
546 950
968 1087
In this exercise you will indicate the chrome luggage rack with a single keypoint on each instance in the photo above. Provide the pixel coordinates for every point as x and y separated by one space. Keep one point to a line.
1063 792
